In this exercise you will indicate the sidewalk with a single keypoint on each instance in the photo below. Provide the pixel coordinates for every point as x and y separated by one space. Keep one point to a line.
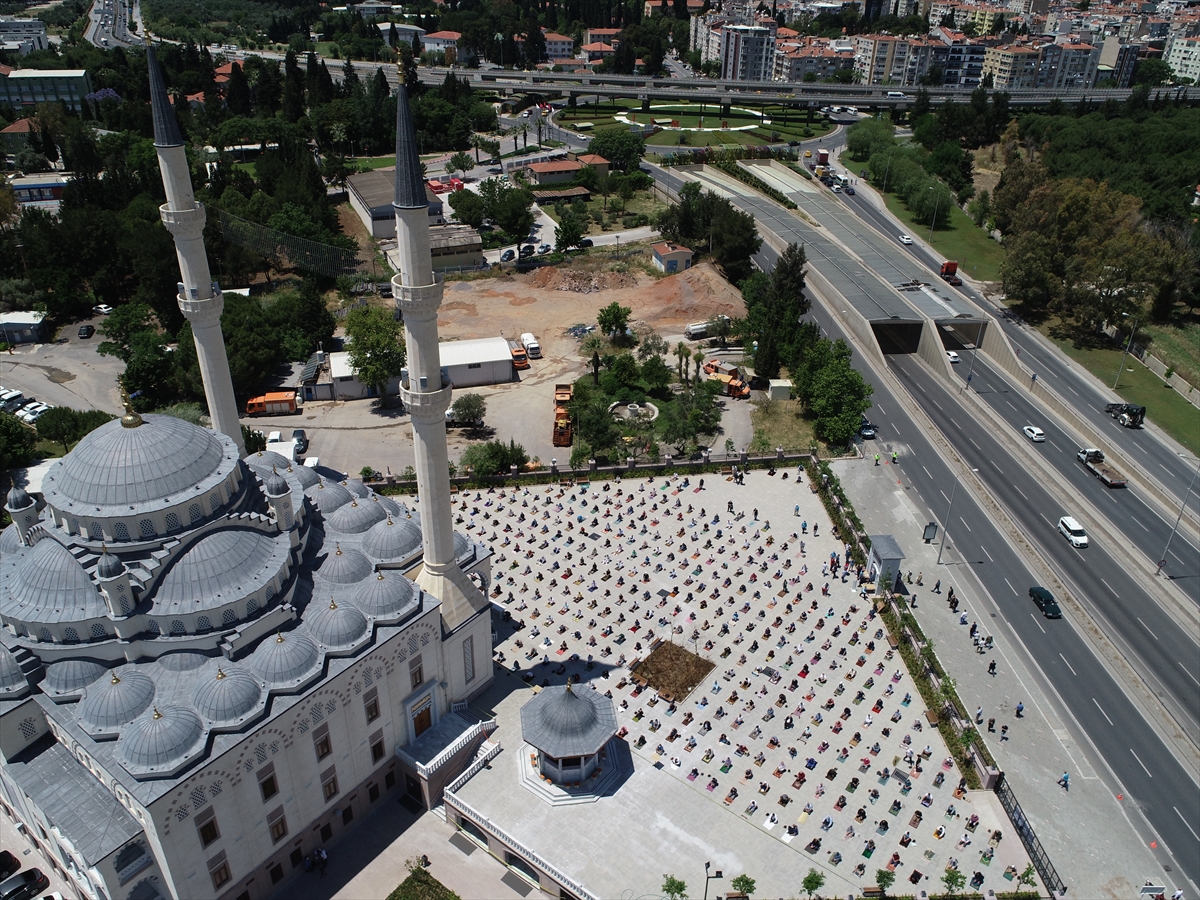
1085 832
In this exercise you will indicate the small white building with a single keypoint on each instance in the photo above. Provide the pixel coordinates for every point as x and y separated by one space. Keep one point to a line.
476 362
346 385
22 327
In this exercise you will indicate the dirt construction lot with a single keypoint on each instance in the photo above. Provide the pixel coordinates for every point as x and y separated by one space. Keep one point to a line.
351 435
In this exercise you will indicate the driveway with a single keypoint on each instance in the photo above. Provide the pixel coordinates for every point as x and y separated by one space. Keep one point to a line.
68 372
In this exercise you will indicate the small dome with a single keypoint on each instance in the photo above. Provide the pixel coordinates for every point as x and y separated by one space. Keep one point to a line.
266 459
306 475
462 545
562 722
384 596
109 703
51 585
109 566
328 496
12 679
393 538
285 659
356 517
17 498
276 485
357 488
390 506
160 739
71 675
226 696
344 566
337 627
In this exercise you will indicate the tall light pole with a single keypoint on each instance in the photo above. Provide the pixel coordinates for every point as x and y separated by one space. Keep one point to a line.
1125 355
708 878
933 223
1182 505
974 348
950 509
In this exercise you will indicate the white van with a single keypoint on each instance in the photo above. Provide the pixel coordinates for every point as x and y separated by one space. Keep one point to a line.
10 401
896 95
532 347
841 180
1072 531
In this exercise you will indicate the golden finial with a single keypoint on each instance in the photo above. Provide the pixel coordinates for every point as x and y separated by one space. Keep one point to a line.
338 549
332 603
279 637
131 419
157 714
115 679
221 673
400 72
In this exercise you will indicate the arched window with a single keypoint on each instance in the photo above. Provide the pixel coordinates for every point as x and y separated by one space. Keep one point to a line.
214 502
98 631
251 606
195 513
70 634
121 531
46 635
228 617
75 526
154 629
173 523
177 627
146 528
96 531
204 623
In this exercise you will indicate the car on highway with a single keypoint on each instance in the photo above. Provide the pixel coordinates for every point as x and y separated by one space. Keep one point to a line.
837 188
1073 532
849 189
507 256
1034 433
86 331
808 154
1046 602
543 249
904 239
102 310
953 357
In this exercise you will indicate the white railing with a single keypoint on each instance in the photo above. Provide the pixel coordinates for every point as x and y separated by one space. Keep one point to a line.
425 770
487 752
516 846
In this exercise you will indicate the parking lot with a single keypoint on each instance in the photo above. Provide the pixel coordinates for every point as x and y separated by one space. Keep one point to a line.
67 372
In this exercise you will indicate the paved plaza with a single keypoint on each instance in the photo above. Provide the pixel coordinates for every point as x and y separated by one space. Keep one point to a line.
807 745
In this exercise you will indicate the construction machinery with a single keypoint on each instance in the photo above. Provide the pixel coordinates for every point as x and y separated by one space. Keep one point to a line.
729 376
562 415
274 404
1127 414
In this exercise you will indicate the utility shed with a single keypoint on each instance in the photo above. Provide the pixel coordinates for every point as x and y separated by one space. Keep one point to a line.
779 389
481 361
884 560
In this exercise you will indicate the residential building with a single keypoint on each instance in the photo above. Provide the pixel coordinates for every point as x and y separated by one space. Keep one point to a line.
670 257
602 35
442 42
1182 54
595 160
597 51
1012 67
1067 65
890 59
557 171
28 87
962 58
747 53
797 58
15 137
559 46
1117 62
374 9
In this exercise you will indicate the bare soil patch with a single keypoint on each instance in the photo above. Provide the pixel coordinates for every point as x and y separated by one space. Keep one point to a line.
671 669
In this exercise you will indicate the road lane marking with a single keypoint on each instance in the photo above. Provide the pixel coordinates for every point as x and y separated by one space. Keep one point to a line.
975 445
938 405
1144 625
1071 389
1102 712
1064 659
997 468
1165 469
882 411
1189 674
1047 521
985 553
1009 402
927 474
1140 763
1036 622
965 525
1147 530
1185 822
1014 590
1110 587
955 424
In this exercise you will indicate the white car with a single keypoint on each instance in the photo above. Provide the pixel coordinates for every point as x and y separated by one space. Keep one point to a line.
1034 433
904 239
1073 532
952 356
102 310
274 437
837 189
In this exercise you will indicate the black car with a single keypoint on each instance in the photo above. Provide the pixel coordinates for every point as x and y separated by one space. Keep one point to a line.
24 885
301 440
527 251
9 865
86 331
586 242
1046 602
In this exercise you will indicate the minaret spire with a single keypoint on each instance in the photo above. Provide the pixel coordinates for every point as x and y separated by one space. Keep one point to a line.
426 393
200 298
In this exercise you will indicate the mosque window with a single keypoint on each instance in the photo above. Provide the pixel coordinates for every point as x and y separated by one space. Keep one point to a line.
121 531
251 606
198 798
95 531
146 528
98 631
74 526
214 501
28 728
46 635
195 513
154 629
70 634
177 627
469 659
124 606
228 617
204 623
173 523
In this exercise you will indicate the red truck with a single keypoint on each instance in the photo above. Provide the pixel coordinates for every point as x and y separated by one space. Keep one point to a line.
950 273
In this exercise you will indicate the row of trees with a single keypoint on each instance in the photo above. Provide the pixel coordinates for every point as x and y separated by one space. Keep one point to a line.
705 222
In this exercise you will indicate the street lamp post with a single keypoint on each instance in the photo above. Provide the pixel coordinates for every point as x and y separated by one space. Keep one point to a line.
950 509
933 222
1162 561
708 878
1125 355
974 348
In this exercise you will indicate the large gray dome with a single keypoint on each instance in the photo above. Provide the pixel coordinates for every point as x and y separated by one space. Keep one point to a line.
392 539
562 722
337 627
12 679
226 696
285 660
220 568
356 517
158 741
344 566
110 703
71 675
118 467
385 596
390 506
306 475
51 586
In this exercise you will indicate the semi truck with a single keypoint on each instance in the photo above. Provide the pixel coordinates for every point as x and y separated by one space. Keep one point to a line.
949 272
1127 414
562 414
1093 460
822 157
281 403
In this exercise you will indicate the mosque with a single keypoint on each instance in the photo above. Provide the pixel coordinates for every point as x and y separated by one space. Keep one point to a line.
212 663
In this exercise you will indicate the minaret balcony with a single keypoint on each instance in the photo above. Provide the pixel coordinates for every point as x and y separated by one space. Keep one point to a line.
426 404
184 223
417 302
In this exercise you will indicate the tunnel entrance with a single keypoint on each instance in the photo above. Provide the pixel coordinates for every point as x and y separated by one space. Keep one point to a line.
897 336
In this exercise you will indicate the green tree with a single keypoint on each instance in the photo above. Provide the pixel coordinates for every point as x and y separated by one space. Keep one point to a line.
469 208
58 424
1153 72
377 351
954 880
1028 876
614 319
254 439
569 232
17 441
682 354
869 136
774 309
30 162
651 345
460 162
622 149
812 882
672 887
121 326
493 458
656 374
720 327
884 879
594 422
625 369
469 408
743 883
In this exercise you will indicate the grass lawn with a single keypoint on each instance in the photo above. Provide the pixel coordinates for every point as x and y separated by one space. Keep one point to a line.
48 450
642 202
780 423
785 125
977 254
1164 406
1177 346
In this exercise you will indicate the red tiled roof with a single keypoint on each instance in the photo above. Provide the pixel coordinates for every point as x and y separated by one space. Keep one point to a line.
21 126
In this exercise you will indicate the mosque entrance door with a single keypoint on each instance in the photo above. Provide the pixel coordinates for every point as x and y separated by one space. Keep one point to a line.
422 720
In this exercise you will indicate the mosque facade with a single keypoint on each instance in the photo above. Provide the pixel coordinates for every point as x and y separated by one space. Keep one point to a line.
211 664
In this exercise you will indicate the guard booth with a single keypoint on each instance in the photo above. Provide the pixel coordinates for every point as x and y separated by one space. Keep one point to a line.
884 561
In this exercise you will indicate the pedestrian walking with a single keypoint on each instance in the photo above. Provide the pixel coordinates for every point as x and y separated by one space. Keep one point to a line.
992 668
1020 710
797 510
937 586
991 726
876 459
894 457
1004 732
1065 781
1178 895
979 716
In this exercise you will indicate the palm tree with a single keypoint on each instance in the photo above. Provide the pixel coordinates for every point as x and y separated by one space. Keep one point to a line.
682 353
698 359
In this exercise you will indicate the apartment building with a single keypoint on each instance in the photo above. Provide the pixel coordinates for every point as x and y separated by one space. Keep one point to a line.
1183 55
1011 66
747 53
1071 64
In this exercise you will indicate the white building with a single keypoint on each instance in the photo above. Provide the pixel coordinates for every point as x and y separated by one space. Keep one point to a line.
476 362
346 385
747 53
28 87
1182 54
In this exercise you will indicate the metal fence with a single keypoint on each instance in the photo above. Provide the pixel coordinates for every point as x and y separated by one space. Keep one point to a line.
1037 853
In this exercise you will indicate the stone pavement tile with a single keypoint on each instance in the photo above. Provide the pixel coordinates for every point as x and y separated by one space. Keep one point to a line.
807 728
1085 833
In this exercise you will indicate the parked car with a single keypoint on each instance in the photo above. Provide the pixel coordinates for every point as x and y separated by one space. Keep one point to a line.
9 865
24 885
527 251
102 310
86 331
507 256
543 249
301 439
586 242
1046 602
1034 433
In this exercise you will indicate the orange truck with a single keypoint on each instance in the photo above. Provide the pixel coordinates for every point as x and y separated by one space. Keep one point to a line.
949 272
562 414
281 403
519 357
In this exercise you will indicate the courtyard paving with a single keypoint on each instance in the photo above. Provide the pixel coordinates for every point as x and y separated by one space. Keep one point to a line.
806 746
